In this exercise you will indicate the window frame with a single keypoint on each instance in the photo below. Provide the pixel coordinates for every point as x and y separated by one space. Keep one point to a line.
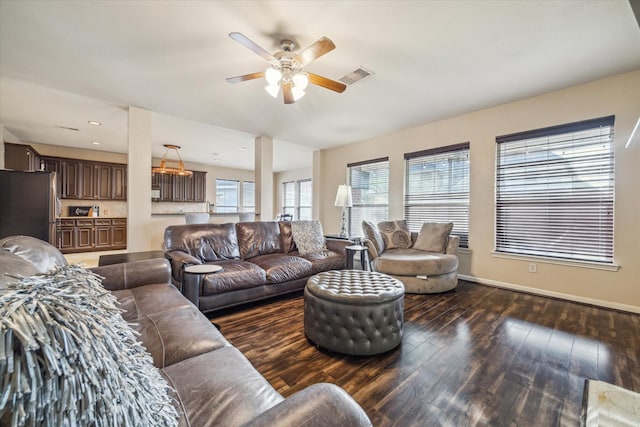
251 207
438 206
374 212
572 220
228 208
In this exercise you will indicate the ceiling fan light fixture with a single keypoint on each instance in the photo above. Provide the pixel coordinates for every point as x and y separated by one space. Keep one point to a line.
272 89
273 76
300 81
297 93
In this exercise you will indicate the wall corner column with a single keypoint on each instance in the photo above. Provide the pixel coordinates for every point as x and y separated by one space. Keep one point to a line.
264 177
317 208
139 180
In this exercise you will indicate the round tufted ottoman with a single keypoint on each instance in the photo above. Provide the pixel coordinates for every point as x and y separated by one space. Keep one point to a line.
354 312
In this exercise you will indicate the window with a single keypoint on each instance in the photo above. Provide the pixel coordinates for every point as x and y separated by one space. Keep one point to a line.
227 195
554 192
248 196
297 199
369 183
289 198
437 189
305 192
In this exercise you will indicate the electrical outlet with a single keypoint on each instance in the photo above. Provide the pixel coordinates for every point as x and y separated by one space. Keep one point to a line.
533 268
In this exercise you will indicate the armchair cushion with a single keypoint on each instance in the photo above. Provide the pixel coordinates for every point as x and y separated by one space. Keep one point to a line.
308 236
395 234
433 237
372 234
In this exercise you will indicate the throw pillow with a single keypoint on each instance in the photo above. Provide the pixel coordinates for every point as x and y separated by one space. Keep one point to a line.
308 236
373 235
395 234
433 237
69 358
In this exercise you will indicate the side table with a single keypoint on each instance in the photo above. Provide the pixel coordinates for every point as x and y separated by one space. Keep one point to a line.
192 277
351 251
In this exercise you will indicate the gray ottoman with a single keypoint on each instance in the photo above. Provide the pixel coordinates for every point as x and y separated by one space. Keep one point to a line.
354 312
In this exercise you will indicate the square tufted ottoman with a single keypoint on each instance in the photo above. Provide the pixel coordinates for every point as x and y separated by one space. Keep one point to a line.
354 312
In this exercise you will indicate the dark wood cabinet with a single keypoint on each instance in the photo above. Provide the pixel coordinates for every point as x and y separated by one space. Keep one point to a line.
54 165
103 181
20 157
70 179
176 188
119 182
87 180
92 234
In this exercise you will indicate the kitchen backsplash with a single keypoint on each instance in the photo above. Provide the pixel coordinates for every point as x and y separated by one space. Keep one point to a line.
177 207
107 208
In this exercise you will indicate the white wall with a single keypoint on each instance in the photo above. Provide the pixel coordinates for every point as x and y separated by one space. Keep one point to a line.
618 95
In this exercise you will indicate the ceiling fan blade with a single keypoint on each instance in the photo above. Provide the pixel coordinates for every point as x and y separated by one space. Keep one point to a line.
243 40
327 83
288 93
238 79
315 51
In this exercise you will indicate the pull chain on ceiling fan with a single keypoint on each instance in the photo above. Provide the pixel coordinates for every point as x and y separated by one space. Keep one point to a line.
286 68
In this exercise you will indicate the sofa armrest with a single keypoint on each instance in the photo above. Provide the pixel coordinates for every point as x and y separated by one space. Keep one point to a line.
452 245
371 248
338 245
178 259
317 405
133 274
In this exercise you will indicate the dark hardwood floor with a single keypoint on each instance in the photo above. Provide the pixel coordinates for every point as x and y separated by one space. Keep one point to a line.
476 356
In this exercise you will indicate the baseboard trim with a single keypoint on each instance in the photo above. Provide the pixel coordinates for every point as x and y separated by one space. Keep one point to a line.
545 293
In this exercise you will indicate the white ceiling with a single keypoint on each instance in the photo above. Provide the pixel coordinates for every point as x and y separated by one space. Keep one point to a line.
63 63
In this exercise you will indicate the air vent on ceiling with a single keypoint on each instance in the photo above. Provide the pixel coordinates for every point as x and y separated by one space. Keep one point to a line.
66 128
356 76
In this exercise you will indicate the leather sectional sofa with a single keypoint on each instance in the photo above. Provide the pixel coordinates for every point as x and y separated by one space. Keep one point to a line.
215 385
259 260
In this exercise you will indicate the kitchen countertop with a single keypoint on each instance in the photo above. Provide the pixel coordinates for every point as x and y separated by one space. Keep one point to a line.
210 213
92 217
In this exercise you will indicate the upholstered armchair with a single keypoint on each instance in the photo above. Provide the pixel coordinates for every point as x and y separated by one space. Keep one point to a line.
425 262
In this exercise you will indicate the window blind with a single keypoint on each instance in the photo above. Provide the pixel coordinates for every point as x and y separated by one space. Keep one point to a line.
437 189
369 183
289 199
554 192
305 188
227 195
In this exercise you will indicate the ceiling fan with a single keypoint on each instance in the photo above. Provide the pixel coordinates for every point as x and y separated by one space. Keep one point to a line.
286 68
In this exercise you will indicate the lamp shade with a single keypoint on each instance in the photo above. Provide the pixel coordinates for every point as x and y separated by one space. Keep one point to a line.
343 197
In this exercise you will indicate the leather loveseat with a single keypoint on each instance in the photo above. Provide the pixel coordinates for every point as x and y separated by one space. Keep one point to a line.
215 385
259 260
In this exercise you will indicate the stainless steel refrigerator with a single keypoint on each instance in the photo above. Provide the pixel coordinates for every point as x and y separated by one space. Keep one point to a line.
29 204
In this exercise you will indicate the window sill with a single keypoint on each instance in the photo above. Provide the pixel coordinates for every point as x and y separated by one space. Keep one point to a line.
563 262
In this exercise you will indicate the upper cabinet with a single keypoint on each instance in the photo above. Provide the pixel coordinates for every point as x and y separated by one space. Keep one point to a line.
75 179
175 188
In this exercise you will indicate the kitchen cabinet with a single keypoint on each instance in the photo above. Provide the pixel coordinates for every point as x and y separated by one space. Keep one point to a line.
20 157
176 188
103 184
87 180
119 182
92 234
70 179
53 165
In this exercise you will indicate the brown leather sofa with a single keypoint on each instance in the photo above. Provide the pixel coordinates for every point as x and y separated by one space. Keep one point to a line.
259 260
215 385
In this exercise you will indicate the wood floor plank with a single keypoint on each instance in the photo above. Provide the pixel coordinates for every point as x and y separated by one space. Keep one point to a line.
477 356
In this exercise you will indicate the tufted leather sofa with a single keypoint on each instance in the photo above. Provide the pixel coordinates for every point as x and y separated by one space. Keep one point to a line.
215 385
259 260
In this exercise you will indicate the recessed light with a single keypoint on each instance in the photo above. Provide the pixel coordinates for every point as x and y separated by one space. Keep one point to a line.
95 142
94 123
216 154
243 148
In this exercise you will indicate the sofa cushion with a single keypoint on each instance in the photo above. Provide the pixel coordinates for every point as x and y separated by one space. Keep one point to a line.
235 275
43 256
175 335
258 238
207 242
414 262
395 234
220 387
282 268
324 261
286 237
433 237
308 236
149 299
371 233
